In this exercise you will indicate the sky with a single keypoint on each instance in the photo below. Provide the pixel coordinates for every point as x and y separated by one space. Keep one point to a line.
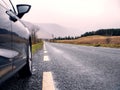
83 15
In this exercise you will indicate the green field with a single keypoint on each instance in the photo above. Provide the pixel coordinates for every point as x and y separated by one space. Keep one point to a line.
36 47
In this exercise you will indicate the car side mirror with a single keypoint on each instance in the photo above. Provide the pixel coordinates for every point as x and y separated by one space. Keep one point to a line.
22 9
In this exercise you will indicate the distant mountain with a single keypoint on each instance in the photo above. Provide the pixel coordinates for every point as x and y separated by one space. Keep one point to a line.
54 29
48 30
29 25
57 30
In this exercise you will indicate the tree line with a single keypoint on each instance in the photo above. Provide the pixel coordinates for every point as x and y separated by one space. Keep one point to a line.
103 32
66 38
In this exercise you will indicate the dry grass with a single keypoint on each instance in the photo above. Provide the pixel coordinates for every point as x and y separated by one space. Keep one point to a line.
106 41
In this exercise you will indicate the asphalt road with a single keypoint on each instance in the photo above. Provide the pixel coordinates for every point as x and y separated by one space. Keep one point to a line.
73 67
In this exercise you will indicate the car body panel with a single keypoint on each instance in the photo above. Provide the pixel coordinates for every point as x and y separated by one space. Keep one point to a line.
5 42
14 42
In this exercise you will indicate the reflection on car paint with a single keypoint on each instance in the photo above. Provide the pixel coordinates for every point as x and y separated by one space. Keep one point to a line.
8 53
6 70
14 41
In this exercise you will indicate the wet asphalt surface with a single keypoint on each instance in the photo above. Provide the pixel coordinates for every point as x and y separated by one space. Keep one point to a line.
73 68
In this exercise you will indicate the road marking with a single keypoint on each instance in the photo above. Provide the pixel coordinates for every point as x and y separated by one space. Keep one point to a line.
48 83
44 47
46 58
45 51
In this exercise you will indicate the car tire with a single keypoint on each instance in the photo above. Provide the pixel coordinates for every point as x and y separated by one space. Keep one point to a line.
26 71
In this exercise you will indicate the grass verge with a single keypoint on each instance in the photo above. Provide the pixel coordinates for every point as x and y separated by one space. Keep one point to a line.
96 40
102 45
36 47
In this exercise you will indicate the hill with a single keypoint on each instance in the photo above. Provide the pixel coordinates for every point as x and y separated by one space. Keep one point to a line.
56 30
47 30
96 40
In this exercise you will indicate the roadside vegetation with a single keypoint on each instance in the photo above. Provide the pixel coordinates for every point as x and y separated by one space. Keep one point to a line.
101 37
95 40
37 46
37 43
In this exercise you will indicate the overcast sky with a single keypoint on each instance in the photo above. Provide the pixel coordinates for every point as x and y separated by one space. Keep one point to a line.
85 15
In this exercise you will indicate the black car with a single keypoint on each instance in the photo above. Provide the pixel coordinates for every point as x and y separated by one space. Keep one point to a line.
15 41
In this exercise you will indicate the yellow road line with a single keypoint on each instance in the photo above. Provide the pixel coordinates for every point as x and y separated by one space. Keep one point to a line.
44 47
46 58
45 51
48 83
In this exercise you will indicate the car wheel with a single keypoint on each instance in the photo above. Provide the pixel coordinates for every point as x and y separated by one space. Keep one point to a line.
27 69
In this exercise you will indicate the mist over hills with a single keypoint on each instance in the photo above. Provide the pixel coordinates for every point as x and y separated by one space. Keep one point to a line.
50 30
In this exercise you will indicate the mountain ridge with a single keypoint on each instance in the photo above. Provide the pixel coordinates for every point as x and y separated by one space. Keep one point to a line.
50 30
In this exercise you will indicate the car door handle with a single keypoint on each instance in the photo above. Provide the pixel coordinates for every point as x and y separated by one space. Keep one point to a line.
12 16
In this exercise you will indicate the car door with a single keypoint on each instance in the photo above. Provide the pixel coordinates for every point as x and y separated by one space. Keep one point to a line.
6 52
20 40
